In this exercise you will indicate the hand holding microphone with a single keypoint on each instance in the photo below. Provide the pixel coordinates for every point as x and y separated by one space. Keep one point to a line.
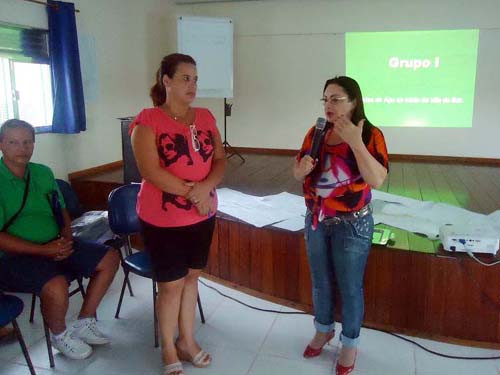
318 137
305 165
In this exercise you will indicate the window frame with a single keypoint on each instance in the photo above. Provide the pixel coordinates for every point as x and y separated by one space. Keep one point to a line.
40 129
12 59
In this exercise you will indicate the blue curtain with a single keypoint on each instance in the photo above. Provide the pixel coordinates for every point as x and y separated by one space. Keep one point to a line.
69 106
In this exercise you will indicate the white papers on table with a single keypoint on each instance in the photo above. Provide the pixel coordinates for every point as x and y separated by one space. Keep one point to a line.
427 217
262 211
287 211
294 224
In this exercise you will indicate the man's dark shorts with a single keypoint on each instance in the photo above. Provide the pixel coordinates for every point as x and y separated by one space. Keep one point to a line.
29 273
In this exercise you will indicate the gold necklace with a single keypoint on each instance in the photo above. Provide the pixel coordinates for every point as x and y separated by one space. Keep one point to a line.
176 118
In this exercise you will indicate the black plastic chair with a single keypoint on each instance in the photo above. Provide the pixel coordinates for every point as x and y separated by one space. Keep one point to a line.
73 204
124 222
10 308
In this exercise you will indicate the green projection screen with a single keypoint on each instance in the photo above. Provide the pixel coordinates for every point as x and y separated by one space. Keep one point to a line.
415 78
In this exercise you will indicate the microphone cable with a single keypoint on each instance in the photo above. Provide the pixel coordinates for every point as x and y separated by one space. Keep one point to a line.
373 329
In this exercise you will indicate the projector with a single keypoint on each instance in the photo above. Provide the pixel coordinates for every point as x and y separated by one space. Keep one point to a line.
463 238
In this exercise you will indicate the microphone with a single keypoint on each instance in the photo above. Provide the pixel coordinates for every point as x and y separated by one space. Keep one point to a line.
319 130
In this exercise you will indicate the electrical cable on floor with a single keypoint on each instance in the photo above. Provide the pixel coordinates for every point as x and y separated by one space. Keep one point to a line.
373 329
253 307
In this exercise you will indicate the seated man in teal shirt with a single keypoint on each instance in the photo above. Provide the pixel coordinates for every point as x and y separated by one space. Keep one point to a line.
37 250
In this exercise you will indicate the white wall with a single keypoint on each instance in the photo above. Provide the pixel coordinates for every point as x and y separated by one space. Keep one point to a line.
17 12
121 45
286 49
130 38
49 148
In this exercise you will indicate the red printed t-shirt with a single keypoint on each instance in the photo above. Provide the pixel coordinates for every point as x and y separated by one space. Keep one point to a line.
336 185
178 156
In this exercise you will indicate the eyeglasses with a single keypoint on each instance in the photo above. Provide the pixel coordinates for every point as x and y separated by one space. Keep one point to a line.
334 100
195 142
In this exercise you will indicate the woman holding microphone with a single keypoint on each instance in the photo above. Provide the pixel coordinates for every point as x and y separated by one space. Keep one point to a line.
351 159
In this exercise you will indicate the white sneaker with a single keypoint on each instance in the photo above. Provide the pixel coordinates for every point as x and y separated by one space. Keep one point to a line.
73 348
87 331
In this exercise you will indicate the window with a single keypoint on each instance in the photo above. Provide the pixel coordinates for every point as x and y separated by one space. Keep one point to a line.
25 78
25 92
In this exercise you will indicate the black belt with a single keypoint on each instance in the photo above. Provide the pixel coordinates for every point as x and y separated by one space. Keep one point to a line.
347 216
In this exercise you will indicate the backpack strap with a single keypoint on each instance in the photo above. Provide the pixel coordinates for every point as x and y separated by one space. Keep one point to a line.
25 196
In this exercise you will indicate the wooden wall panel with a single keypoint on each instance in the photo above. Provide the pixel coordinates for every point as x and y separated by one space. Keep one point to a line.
438 296
92 195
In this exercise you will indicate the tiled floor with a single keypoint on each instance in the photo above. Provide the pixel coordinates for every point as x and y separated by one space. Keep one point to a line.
242 341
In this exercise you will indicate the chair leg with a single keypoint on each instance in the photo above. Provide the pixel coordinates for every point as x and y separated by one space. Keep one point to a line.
121 294
80 286
130 288
155 315
128 280
23 347
33 305
201 310
128 246
49 344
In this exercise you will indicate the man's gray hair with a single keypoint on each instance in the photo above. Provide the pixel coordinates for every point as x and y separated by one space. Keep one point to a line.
16 124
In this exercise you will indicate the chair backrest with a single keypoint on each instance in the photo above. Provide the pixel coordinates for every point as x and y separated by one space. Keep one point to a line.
73 204
122 214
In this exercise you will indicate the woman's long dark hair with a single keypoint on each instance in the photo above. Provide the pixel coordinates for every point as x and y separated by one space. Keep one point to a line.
353 91
168 66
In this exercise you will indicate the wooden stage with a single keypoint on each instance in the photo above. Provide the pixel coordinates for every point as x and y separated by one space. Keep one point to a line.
411 285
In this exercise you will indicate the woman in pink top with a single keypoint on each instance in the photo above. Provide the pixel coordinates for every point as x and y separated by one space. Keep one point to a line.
179 153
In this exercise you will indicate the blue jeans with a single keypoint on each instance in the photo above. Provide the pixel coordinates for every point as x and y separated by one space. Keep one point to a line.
339 251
